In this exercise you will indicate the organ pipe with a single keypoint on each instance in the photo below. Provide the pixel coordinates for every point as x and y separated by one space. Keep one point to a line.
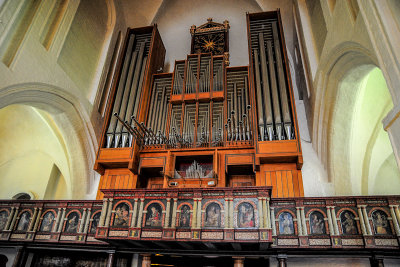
274 89
266 89
282 84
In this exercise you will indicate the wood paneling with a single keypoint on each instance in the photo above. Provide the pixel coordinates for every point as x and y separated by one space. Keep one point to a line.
116 179
285 179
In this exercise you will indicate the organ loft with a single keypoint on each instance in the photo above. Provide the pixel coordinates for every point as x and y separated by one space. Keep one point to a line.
206 124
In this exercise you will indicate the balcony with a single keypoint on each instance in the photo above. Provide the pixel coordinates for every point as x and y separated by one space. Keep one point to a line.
239 219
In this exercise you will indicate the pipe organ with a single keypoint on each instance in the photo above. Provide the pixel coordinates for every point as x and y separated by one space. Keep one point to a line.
238 123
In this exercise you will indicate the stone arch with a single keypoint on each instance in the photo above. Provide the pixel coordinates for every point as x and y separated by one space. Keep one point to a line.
333 67
72 120
342 77
111 14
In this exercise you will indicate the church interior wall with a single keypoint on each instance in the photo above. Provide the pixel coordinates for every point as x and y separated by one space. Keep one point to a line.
55 85
54 65
347 32
29 161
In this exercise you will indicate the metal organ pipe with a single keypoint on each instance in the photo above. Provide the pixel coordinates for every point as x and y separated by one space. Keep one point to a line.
274 89
164 115
154 112
125 101
266 89
152 100
259 96
282 84
139 88
130 91
158 127
117 103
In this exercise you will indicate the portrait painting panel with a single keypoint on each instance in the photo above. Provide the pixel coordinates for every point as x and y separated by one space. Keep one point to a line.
3 220
381 223
95 223
23 223
317 223
286 224
154 215
245 215
71 225
47 222
121 217
213 215
184 219
349 224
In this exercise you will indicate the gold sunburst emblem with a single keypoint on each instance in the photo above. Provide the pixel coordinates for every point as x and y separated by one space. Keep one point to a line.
209 45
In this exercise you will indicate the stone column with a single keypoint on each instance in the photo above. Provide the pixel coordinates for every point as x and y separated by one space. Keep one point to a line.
194 217
268 226
35 227
273 221
33 219
146 261
376 261
199 213
330 224
264 204
139 221
61 222
20 257
89 214
281 260
167 213
173 223
231 213
334 219
366 219
260 213
135 260
226 212
110 259
9 219
109 212
238 261
103 212
82 224
299 227
134 213
394 220
396 210
14 219
55 226
303 221
362 223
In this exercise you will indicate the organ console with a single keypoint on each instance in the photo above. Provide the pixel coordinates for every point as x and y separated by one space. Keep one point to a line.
206 123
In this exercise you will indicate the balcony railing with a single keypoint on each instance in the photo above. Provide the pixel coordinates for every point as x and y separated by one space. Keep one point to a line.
207 215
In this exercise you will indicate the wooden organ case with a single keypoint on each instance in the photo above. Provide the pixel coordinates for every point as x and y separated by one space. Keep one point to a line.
205 124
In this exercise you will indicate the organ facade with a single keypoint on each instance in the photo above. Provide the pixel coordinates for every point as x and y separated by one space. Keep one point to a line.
206 124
